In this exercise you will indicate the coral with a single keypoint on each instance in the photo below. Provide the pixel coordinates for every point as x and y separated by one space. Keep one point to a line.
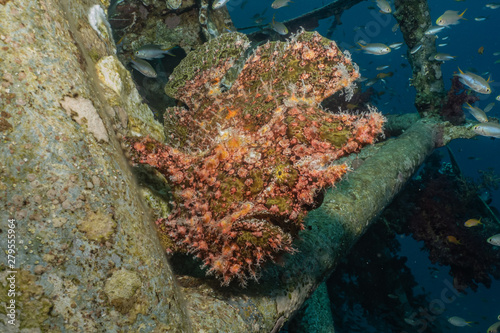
456 97
247 159
434 206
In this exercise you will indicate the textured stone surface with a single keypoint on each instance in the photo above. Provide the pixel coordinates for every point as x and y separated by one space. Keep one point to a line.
64 179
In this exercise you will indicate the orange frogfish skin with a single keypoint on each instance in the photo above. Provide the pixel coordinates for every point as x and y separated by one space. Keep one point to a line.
245 164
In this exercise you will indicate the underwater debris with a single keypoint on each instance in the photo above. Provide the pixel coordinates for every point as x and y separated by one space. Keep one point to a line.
246 165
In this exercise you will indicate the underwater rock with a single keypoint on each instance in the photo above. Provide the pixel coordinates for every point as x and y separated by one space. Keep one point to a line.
248 159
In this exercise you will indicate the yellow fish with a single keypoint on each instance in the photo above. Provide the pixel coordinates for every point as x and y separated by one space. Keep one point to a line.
454 240
384 6
472 222
450 17
481 50
384 75
279 27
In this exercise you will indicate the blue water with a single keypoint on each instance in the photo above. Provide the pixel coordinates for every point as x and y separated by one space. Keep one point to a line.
481 153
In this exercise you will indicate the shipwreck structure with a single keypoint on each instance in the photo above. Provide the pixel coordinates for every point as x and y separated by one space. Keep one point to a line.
88 256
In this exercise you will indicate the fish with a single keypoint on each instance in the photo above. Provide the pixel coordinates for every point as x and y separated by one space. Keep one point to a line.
495 328
395 45
492 5
371 82
496 54
480 18
279 27
487 129
489 107
280 3
384 6
477 113
494 240
375 48
432 30
445 37
474 82
458 321
411 322
395 27
218 4
112 8
151 51
453 239
384 75
498 98
472 222
450 17
480 50
441 57
143 67
381 68
443 44
416 48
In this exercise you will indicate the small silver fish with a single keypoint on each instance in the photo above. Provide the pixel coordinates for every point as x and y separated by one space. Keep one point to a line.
458 321
495 328
477 113
151 51
489 107
143 67
450 17
492 5
494 240
279 27
445 37
280 3
441 45
474 82
395 45
480 18
432 30
411 322
498 98
219 3
381 68
416 48
384 6
442 57
487 129
375 48
371 82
